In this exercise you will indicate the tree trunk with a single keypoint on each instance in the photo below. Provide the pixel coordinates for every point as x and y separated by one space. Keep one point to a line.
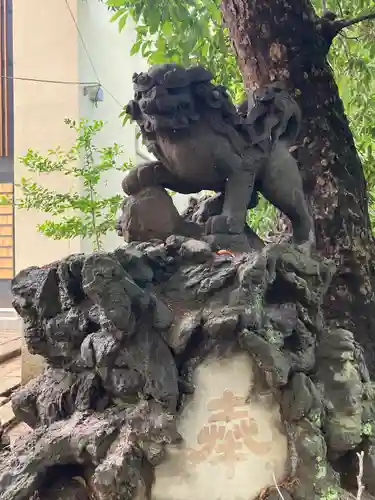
285 40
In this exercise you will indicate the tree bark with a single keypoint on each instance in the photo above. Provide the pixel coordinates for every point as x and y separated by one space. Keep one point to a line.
285 40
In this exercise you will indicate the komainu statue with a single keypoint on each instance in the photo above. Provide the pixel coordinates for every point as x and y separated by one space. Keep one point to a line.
203 142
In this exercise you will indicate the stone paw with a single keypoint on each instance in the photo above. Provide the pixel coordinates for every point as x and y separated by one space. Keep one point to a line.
222 224
208 208
306 247
309 245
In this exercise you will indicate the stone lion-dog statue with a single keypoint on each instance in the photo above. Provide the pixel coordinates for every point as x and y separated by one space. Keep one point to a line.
203 142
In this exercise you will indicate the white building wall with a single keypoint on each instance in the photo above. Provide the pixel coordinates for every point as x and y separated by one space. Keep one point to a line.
110 54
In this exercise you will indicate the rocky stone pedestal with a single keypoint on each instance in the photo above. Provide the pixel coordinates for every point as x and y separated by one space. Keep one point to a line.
174 372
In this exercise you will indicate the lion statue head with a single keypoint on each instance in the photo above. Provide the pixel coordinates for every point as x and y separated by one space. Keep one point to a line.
170 97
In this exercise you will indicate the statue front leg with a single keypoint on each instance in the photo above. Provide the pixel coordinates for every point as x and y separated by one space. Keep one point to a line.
154 174
238 190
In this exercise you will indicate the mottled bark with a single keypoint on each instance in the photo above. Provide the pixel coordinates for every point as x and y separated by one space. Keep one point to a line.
285 40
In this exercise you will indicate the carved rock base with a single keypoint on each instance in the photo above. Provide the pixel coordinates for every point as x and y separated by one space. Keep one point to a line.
151 352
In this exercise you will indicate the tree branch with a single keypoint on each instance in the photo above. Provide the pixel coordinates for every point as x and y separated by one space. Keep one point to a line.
340 24
331 27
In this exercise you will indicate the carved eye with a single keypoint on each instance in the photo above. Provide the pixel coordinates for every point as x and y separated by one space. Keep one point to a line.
143 79
144 82
216 94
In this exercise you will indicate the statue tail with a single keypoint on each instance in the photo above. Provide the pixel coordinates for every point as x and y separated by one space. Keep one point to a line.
273 115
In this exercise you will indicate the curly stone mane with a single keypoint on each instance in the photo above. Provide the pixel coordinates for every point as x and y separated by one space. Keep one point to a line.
170 97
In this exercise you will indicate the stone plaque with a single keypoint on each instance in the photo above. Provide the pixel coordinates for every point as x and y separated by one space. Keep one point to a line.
231 448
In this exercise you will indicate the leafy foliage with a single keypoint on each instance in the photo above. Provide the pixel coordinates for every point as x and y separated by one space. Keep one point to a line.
183 32
192 32
77 214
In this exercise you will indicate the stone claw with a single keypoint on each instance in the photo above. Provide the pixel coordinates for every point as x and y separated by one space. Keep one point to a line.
201 215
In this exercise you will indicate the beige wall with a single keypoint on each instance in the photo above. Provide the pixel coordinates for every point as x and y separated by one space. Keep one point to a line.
45 47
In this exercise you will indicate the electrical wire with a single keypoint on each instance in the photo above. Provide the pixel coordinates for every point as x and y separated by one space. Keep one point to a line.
63 82
89 56
113 97
42 80
94 69
82 40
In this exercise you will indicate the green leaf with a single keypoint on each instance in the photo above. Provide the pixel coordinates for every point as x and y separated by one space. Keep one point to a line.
122 22
118 14
115 3
167 28
135 48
